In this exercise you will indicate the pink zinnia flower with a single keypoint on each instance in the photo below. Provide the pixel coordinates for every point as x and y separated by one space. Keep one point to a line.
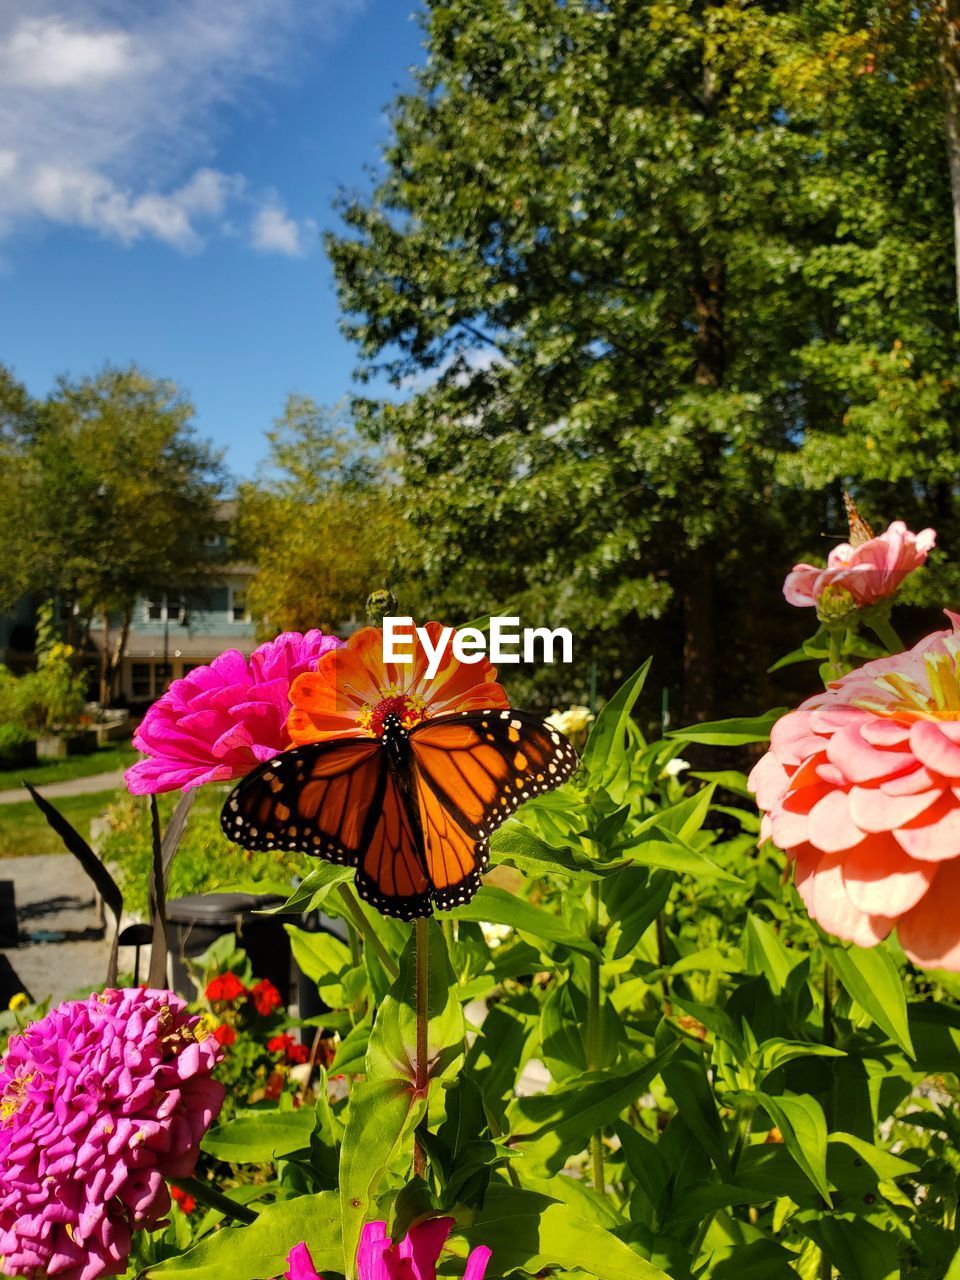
870 570
221 721
414 1258
100 1101
861 788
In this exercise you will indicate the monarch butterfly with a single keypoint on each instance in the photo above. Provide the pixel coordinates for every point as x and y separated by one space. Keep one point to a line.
412 810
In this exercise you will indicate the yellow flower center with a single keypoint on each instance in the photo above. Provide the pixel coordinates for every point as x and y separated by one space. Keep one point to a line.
937 697
409 709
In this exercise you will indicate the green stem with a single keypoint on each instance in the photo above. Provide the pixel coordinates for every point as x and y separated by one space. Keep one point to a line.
214 1199
835 653
883 630
593 1032
367 931
662 963
421 1081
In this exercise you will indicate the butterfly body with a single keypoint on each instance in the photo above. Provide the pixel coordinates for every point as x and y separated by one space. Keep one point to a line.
412 808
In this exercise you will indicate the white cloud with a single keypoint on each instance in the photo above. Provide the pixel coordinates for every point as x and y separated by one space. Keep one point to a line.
273 231
108 115
47 53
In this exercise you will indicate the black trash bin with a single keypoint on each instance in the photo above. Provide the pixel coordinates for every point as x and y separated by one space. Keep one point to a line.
194 922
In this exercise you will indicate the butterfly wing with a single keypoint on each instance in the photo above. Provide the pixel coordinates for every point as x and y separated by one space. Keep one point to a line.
341 802
321 799
470 772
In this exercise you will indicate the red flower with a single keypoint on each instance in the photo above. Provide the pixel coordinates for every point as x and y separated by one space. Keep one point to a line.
225 1034
293 1052
274 1087
280 1044
266 998
226 986
298 1053
186 1201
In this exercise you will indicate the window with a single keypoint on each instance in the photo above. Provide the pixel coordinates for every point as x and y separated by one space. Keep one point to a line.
238 605
165 609
141 680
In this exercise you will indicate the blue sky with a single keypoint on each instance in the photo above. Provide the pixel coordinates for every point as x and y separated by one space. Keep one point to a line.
165 172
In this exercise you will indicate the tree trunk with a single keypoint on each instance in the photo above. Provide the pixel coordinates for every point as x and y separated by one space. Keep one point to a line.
105 660
120 649
947 19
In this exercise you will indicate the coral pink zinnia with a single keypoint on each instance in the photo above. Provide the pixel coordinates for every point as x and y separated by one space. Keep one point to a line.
221 721
99 1102
861 788
414 1258
870 570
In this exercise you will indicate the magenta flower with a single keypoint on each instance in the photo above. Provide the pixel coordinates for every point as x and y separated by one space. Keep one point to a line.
99 1101
871 570
414 1258
221 721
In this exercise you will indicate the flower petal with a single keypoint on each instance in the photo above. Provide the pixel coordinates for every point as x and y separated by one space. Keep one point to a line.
873 809
934 749
935 835
862 763
881 880
831 826
930 933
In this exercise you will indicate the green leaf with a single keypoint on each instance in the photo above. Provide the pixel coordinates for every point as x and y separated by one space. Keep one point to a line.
261 1249
803 1127
531 1232
251 1137
324 959
687 1083
517 845
766 953
560 1123
380 1115
858 1249
633 899
874 982
604 754
313 889
731 733
392 1049
673 854
351 1056
778 1052
496 906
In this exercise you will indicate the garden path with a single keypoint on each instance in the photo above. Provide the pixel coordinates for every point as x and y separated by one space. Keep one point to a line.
62 945
72 787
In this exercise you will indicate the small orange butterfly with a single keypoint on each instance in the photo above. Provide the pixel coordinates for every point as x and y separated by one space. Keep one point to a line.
411 809
860 531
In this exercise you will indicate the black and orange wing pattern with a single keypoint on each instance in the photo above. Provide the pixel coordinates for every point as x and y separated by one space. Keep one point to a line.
470 772
338 801
416 832
319 799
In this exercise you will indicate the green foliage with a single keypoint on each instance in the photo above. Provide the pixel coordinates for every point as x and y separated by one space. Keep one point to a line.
661 277
107 495
322 532
204 860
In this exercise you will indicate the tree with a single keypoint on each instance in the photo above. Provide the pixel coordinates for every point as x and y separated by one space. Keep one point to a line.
602 252
322 530
114 498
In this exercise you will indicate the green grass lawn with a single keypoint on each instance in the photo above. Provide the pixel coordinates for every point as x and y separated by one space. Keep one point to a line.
24 831
105 760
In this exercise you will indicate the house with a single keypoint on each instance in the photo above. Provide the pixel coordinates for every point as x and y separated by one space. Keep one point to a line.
170 635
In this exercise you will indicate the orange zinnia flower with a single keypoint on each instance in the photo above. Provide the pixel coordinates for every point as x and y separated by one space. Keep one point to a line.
352 689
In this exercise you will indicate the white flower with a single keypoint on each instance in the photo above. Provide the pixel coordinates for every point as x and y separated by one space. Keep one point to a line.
574 721
673 768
